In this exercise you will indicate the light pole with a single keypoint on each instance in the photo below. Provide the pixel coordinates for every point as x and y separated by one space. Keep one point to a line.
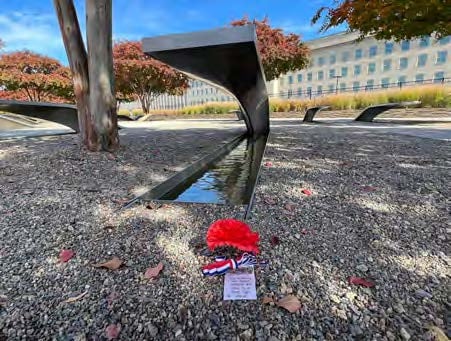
336 86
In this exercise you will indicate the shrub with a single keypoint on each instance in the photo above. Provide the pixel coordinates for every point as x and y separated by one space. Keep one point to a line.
124 112
137 112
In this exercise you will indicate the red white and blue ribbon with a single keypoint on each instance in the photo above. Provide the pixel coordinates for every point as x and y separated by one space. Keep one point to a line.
222 265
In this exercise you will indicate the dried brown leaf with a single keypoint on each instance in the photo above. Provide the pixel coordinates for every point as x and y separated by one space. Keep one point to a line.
290 303
267 300
76 298
153 272
113 264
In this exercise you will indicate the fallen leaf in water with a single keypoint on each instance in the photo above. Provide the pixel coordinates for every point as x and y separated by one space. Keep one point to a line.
76 298
306 192
275 241
267 300
113 264
112 331
153 272
268 164
360 281
290 303
369 188
66 255
439 335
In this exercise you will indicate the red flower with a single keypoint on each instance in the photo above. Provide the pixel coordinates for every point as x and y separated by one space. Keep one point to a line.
66 255
232 232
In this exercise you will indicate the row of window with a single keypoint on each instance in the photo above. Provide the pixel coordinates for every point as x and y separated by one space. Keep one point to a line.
441 58
373 50
385 83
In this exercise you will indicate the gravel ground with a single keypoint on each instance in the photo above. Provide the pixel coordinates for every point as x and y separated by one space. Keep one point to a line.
379 210
444 113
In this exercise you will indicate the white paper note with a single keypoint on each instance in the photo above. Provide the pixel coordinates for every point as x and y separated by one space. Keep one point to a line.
240 284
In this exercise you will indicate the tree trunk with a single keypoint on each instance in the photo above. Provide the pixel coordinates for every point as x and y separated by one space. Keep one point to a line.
78 60
102 101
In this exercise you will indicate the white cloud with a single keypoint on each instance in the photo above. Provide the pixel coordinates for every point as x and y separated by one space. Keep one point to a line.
37 32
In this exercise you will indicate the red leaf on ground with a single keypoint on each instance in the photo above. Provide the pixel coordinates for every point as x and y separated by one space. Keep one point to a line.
289 207
275 241
113 296
269 201
66 255
369 188
304 231
306 192
360 281
112 331
152 273
268 164
267 300
111 156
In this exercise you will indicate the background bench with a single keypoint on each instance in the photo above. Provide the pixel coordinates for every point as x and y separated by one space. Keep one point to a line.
369 113
311 112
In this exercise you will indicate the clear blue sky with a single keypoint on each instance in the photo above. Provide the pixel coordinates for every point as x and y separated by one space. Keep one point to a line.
32 24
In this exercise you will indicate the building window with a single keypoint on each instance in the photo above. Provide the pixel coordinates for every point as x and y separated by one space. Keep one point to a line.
445 40
358 54
319 90
403 63
369 84
385 82
290 79
299 77
422 59
332 59
424 42
388 48
345 56
387 65
356 86
332 73
331 88
357 70
439 77
309 91
419 78
441 57
342 87
320 75
402 80
309 76
344 72
373 51
299 91
320 61
405 45
371 68
290 93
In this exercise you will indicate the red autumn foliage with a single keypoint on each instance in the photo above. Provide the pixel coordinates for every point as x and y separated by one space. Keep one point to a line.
395 19
360 281
138 76
232 232
29 76
279 52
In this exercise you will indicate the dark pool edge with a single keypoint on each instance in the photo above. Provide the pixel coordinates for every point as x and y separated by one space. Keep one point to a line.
247 213
198 166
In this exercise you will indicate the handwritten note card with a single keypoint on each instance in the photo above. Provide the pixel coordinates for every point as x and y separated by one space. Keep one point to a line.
240 284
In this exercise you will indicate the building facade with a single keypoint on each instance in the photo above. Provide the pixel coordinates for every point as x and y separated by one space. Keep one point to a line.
341 63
